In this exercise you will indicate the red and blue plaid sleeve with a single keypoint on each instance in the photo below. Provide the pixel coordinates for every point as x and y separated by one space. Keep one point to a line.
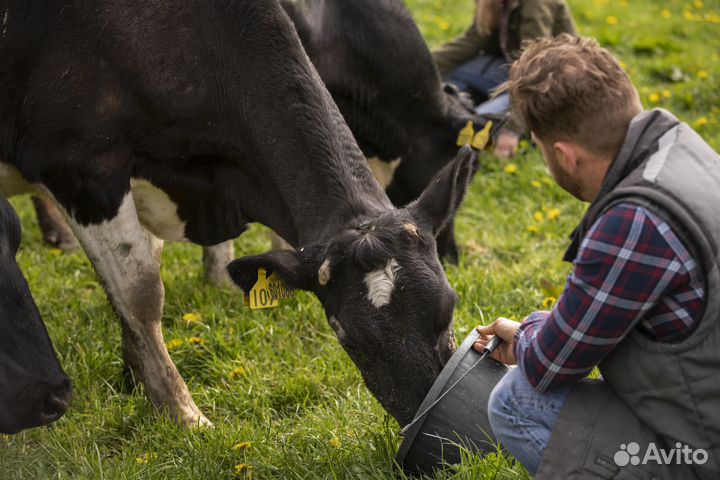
631 271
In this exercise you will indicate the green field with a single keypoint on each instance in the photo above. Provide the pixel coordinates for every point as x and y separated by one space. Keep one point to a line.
279 379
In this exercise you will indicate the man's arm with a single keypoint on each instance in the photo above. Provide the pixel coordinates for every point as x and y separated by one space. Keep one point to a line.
626 267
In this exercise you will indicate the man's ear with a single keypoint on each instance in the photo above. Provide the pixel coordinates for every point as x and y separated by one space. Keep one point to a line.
293 269
566 155
441 199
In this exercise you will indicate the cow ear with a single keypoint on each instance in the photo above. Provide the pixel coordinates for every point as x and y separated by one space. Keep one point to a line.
290 266
441 199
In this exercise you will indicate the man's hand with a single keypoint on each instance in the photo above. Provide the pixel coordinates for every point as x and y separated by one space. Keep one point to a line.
506 144
505 329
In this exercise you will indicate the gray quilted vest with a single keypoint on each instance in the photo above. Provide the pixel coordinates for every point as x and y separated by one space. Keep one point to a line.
659 392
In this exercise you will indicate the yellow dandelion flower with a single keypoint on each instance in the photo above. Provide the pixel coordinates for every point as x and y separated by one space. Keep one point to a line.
712 18
700 122
549 302
335 442
191 318
665 13
703 74
145 458
533 229
536 184
195 341
654 97
611 20
688 15
242 446
538 217
698 4
547 181
174 343
623 65
243 468
56 252
553 213
666 94
510 168
236 372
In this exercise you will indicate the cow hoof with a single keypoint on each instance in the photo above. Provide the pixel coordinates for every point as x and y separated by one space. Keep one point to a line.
197 422
68 245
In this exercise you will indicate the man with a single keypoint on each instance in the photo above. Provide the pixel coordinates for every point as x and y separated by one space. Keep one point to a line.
643 300
477 62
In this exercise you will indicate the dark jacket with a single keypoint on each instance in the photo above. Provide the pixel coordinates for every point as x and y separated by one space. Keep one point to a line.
653 392
525 20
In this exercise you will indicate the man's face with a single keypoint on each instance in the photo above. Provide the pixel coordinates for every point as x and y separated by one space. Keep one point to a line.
565 177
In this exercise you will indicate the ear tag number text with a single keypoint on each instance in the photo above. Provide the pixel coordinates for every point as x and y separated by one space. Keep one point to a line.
267 291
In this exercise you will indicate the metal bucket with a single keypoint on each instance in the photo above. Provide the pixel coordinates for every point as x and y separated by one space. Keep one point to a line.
460 418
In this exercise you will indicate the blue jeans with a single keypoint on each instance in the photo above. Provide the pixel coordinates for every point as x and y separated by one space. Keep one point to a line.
522 418
480 76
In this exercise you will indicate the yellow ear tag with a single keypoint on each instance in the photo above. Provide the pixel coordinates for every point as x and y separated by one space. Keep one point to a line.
482 137
466 134
260 294
278 289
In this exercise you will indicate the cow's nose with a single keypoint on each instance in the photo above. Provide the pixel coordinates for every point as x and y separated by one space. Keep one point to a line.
56 402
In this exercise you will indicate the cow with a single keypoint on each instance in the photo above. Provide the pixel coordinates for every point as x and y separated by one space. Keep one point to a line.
34 389
378 69
188 120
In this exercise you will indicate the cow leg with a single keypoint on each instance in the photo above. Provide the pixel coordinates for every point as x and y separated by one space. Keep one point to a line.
52 224
127 260
215 262
277 243
446 245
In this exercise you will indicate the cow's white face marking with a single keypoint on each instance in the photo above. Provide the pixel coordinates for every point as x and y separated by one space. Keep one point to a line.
383 171
337 327
381 284
11 182
157 212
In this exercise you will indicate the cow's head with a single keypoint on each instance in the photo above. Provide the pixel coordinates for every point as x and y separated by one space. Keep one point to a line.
34 389
383 290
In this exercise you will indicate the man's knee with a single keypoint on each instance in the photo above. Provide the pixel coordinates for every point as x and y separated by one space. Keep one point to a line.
502 399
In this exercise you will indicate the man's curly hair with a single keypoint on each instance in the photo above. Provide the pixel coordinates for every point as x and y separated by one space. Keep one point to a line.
570 88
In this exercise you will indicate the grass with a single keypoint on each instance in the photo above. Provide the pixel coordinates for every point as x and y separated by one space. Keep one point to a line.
278 379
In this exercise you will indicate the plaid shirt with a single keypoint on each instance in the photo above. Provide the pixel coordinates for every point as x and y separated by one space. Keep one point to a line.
631 272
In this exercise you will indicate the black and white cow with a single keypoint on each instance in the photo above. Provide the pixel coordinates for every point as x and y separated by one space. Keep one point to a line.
34 389
187 120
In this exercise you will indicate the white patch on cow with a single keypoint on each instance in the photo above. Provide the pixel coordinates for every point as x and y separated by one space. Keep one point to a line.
339 331
383 171
12 183
381 284
157 212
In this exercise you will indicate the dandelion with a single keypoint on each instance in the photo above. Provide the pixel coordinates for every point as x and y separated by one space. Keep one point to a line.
510 168
712 18
191 318
56 252
174 344
242 446
547 181
538 217
654 97
666 94
236 372
243 469
700 122
623 65
698 4
665 13
553 213
145 458
533 229
195 341
335 442
688 15
703 74
536 184
611 20
549 302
